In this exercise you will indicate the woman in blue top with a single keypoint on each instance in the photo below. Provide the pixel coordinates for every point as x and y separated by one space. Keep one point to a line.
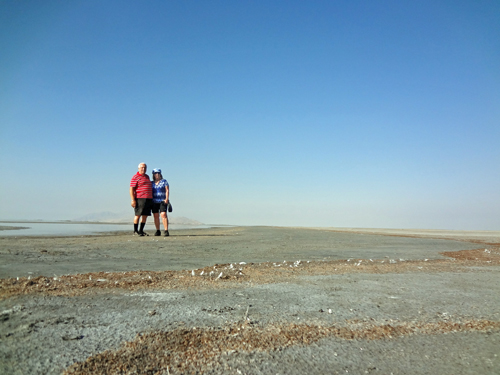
160 201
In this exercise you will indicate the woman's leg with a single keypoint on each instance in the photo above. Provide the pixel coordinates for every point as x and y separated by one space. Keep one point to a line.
164 218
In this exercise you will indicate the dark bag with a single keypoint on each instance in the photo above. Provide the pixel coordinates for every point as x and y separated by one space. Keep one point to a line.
169 207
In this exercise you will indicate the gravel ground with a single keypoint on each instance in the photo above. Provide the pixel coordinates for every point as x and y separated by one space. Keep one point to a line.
316 301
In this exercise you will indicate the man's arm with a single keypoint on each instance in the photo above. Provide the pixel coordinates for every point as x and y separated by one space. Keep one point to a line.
132 196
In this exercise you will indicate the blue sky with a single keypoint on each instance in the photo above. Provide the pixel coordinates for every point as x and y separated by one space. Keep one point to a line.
310 113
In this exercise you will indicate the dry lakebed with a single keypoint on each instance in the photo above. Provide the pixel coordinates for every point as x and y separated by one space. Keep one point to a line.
252 300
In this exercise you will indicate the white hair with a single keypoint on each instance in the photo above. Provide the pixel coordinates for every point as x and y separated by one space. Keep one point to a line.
141 164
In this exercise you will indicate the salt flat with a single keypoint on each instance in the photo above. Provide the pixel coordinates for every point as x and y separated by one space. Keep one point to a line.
478 235
252 300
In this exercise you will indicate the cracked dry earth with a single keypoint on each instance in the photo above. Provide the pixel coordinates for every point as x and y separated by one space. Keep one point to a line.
377 315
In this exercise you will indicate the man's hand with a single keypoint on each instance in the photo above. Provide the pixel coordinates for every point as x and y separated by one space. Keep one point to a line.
132 196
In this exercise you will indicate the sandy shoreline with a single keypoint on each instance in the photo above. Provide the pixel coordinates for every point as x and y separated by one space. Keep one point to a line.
259 300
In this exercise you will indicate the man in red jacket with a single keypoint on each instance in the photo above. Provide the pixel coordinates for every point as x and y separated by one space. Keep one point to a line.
141 193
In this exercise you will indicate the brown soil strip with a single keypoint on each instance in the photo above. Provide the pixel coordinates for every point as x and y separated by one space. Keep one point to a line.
228 275
199 350
491 255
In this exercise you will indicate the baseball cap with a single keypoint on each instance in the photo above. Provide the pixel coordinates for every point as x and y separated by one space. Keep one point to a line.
157 170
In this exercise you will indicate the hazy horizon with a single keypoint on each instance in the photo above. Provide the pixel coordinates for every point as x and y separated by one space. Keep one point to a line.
289 113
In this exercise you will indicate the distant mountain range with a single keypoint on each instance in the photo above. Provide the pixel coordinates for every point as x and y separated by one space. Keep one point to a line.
113 217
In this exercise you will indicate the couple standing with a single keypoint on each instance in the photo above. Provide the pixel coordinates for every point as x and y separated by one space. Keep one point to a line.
147 197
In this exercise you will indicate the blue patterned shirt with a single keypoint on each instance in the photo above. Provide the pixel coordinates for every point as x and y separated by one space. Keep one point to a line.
159 193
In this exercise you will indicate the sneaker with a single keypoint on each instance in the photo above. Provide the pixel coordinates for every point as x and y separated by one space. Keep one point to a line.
143 234
136 233
166 233
158 233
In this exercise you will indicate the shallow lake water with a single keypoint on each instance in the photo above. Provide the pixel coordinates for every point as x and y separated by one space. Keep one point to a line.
74 229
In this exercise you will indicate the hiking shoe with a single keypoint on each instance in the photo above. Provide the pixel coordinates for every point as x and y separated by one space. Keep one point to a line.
158 233
166 233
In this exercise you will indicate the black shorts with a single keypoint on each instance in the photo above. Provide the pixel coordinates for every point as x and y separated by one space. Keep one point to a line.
143 207
159 207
